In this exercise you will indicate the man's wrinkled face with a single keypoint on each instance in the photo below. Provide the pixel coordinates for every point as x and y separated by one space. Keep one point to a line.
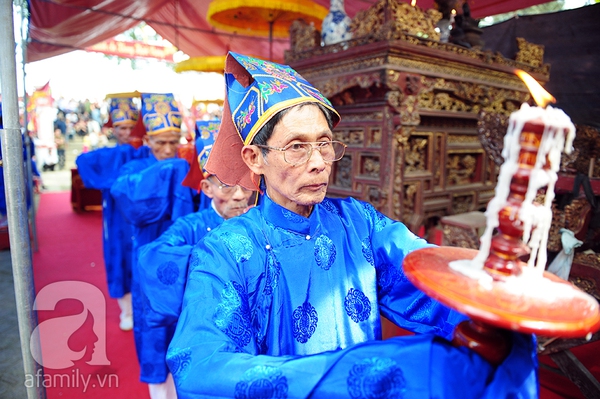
164 145
122 132
229 201
298 187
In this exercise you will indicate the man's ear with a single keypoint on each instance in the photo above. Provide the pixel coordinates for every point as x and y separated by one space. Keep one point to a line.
252 157
207 188
145 139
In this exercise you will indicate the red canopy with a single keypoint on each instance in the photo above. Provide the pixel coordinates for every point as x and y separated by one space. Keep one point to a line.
60 26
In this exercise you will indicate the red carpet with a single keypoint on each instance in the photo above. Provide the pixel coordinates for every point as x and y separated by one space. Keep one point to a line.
84 352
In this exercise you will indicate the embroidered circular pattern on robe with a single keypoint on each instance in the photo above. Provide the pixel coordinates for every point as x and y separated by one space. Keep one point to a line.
239 246
292 217
167 273
195 261
324 252
367 251
376 377
232 315
262 382
419 310
272 273
179 361
357 305
376 218
305 322
328 205
387 276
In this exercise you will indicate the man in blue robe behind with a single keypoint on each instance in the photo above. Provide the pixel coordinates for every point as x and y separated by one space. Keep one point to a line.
99 169
285 300
165 260
150 196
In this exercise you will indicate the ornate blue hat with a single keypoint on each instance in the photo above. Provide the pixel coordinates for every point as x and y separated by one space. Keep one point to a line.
160 113
206 133
265 89
123 110
256 91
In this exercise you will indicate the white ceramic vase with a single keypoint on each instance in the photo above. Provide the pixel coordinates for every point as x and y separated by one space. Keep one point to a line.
336 25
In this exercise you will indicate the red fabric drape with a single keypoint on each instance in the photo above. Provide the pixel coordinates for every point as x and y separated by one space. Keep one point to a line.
60 26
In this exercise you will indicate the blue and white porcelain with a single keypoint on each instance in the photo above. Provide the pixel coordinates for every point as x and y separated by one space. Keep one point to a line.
336 25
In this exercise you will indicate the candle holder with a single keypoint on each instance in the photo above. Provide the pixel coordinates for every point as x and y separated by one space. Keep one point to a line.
493 286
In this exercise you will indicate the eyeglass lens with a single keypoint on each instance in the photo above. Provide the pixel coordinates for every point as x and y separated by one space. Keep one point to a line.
300 152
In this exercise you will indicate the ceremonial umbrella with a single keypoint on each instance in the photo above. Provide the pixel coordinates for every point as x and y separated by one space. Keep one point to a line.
262 17
211 63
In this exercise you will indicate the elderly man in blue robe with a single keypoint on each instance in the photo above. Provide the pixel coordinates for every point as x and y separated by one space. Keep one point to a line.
285 300
150 196
99 169
165 260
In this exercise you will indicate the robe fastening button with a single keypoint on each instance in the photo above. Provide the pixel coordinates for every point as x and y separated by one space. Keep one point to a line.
308 237
267 247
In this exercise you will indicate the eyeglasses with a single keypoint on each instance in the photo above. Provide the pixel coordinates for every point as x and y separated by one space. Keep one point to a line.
299 153
225 189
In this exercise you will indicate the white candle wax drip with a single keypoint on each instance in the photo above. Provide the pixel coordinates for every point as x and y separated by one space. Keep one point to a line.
536 219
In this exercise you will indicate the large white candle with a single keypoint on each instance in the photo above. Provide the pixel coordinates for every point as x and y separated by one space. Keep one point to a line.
558 133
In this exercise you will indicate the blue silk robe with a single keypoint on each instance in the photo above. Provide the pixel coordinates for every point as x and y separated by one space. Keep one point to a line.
150 196
99 169
165 261
281 306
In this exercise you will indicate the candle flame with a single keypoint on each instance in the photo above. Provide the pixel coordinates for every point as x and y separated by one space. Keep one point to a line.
539 94
453 11
413 3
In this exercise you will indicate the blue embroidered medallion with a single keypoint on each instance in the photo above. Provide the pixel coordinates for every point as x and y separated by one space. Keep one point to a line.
305 322
387 276
272 274
420 310
376 377
291 216
367 251
262 382
179 361
232 315
239 246
167 273
324 252
357 305
376 218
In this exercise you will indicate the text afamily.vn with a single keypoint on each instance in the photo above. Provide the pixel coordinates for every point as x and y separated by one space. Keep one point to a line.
75 379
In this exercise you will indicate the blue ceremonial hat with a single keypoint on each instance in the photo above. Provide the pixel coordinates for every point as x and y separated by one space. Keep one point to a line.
122 110
256 90
206 133
160 113
266 89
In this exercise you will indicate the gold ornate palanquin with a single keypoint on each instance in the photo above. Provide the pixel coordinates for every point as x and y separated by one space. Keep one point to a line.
410 106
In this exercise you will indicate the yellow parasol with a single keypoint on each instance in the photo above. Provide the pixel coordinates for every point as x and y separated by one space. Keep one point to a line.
212 63
262 17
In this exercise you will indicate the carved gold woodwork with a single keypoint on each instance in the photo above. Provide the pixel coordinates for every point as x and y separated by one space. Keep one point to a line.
457 236
529 53
388 16
461 169
304 36
572 217
409 106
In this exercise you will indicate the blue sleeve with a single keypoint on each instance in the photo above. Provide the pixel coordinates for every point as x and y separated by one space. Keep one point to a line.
214 353
153 193
164 268
99 168
400 301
